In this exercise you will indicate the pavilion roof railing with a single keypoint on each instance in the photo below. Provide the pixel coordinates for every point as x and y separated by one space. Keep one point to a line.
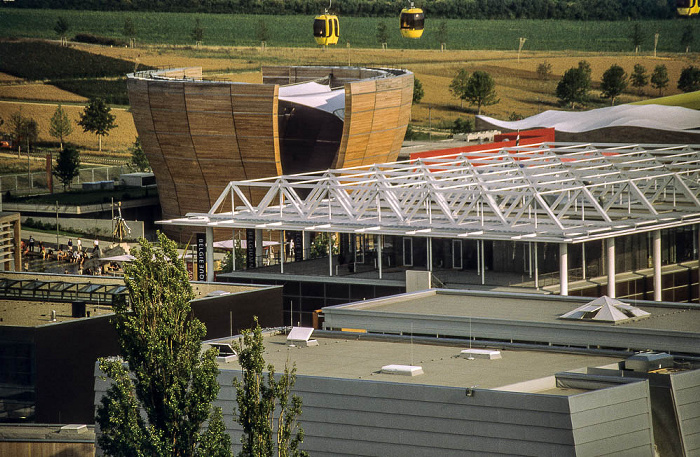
558 192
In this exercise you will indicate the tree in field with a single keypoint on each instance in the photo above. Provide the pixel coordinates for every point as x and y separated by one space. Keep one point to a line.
544 70
97 118
262 32
61 27
481 90
67 165
462 125
659 78
138 160
458 86
614 82
382 33
639 78
690 79
23 130
418 92
636 36
197 32
259 397
687 38
60 125
129 30
574 86
442 33
161 371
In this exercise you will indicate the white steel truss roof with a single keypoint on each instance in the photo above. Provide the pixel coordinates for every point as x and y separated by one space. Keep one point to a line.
556 192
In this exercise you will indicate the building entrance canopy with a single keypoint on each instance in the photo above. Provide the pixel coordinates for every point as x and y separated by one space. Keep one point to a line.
555 192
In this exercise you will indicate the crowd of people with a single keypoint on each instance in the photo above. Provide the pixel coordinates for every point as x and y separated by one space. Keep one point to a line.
74 253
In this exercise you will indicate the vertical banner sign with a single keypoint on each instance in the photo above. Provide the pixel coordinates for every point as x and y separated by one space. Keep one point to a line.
298 246
250 248
201 257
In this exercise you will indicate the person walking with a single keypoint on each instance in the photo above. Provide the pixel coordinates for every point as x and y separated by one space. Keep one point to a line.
31 243
80 245
70 244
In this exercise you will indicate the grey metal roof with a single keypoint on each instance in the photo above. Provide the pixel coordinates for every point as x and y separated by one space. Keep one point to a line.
556 192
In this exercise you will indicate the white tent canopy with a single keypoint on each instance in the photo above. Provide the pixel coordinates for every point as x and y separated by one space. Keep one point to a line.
660 117
315 95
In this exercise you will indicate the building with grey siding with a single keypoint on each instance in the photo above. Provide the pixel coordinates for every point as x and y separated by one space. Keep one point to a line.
528 402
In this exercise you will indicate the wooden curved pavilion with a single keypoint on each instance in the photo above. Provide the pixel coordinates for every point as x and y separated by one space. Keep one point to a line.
199 135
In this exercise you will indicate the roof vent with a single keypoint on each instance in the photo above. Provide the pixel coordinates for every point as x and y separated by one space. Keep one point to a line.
74 429
226 352
299 336
405 370
489 354
606 309
644 362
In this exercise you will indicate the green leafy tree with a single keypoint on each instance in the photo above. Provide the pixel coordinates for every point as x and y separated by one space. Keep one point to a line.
418 92
138 160
639 78
687 38
481 90
690 79
382 33
61 27
97 118
442 33
197 31
60 125
129 30
227 262
659 78
67 165
462 125
162 373
264 401
262 32
614 82
574 86
544 70
636 36
23 130
459 83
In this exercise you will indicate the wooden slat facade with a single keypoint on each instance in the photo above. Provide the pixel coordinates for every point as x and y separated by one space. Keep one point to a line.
199 135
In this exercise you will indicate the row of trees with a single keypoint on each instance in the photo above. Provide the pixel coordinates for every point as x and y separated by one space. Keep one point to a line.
163 373
574 87
476 9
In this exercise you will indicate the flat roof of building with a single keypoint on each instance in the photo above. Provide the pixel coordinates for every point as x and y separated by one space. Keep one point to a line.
520 317
362 357
527 308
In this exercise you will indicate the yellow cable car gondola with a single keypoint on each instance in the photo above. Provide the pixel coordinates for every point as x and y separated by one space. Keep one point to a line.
687 7
412 20
326 28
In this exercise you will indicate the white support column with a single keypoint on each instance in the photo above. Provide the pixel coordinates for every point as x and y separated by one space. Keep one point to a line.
583 260
529 248
330 254
563 269
429 253
209 233
259 247
282 253
656 258
306 243
379 254
483 263
537 266
478 257
611 267
233 249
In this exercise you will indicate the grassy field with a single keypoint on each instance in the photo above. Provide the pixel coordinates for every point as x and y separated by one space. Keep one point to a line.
295 31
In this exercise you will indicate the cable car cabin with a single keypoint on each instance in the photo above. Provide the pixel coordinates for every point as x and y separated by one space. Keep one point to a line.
412 20
688 7
326 29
